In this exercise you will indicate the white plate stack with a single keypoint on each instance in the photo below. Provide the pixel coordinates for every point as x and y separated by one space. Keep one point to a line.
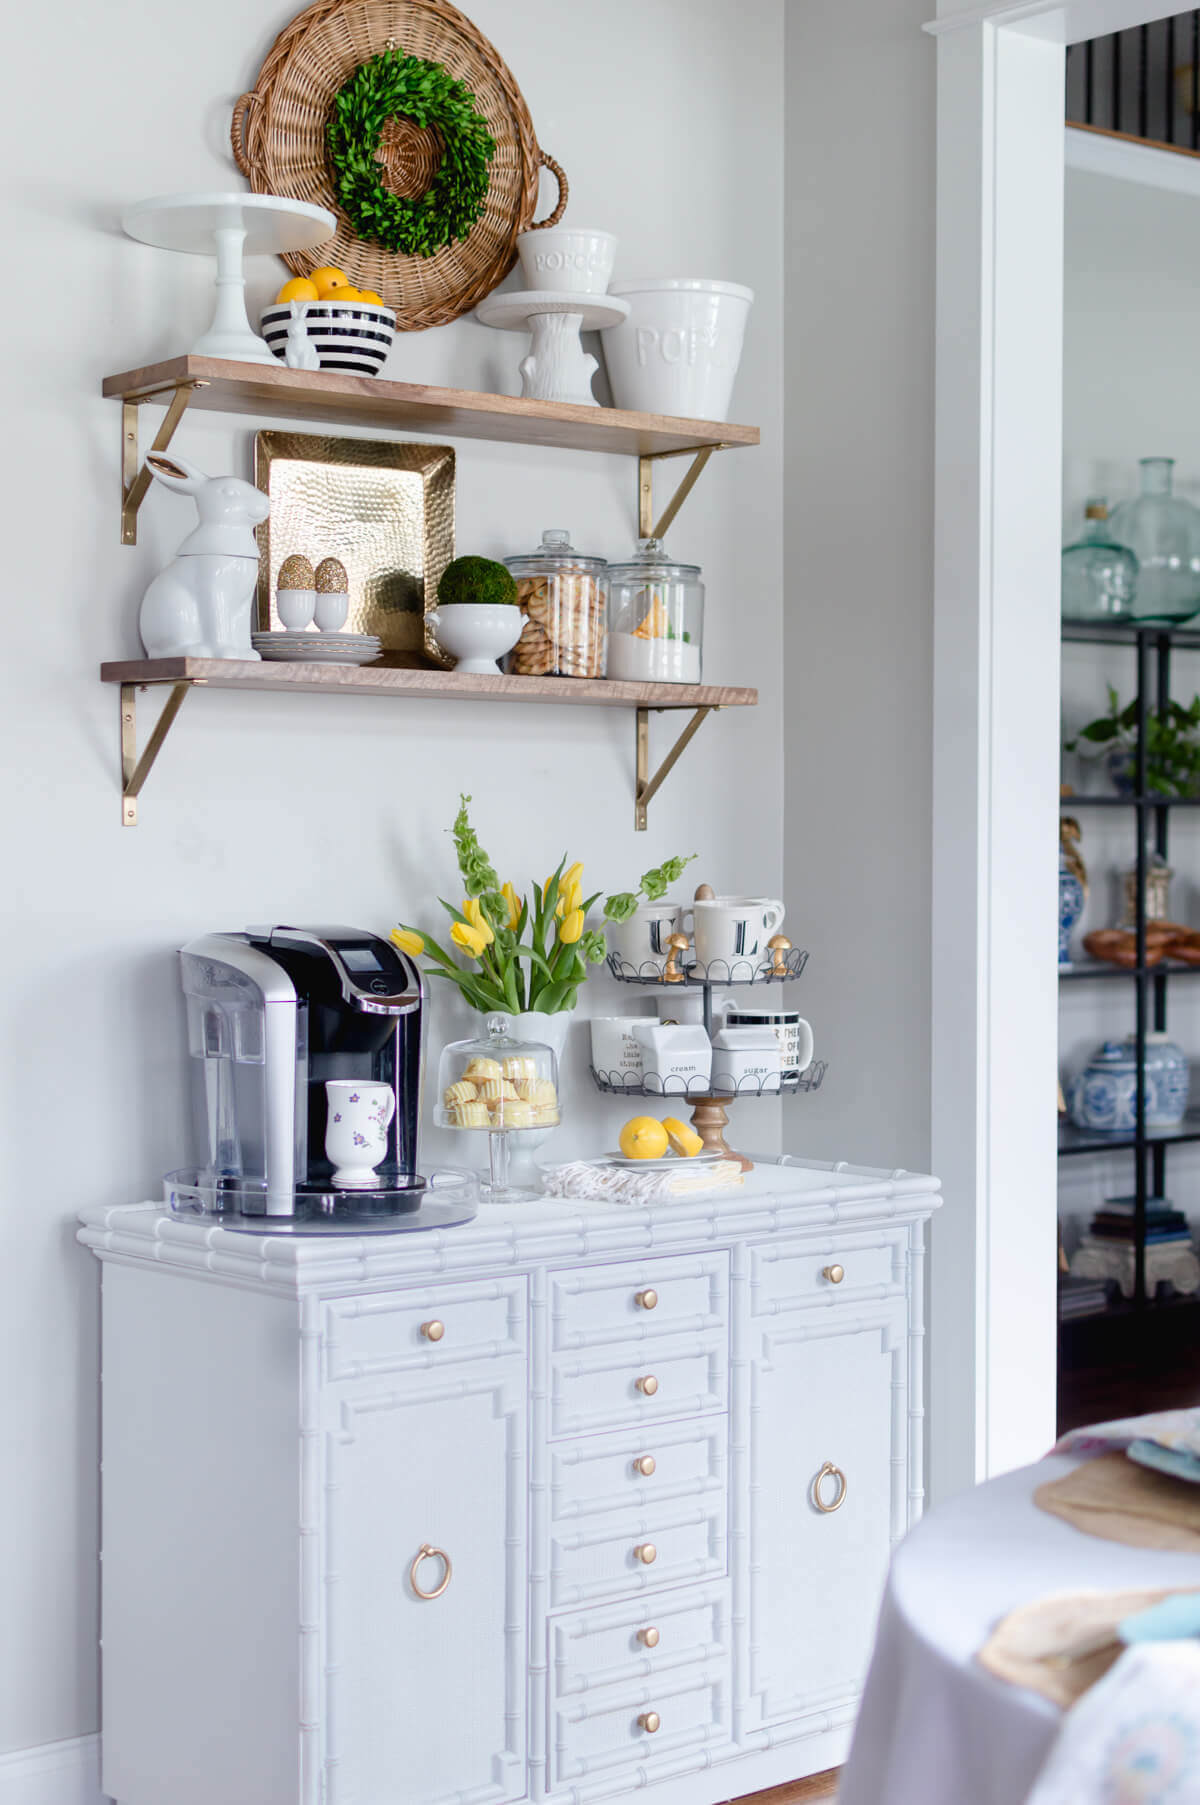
317 648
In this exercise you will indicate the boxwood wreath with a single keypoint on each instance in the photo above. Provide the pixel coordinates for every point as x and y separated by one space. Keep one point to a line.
395 83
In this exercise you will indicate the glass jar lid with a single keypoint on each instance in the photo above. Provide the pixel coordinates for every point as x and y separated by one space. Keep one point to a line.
555 553
650 560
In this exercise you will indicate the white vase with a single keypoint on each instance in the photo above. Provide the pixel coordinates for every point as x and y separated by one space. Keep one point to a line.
677 352
549 1031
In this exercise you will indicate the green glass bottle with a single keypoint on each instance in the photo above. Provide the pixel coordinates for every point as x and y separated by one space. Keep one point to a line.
1099 578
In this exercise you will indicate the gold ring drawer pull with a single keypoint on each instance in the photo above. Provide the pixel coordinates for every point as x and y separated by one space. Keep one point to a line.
646 1300
647 1553
433 1331
647 1385
829 1471
645 1464
835 1274
429 1553
648 1637
651 1722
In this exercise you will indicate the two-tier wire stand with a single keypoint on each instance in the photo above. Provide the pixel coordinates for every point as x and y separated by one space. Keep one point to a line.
710 1109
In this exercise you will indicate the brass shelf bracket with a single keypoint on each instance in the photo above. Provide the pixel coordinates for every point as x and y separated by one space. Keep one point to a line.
647 786
135 770
135 477
648 527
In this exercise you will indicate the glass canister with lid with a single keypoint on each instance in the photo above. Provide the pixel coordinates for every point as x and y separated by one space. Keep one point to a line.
564 597
656 618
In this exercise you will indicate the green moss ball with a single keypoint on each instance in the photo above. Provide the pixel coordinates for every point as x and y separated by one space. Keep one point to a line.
476 580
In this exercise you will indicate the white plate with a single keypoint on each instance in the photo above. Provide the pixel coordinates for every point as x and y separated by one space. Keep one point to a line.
318 654
314 639
670 1159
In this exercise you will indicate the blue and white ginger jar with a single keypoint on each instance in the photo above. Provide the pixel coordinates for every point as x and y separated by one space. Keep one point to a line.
1070 907
1104 1095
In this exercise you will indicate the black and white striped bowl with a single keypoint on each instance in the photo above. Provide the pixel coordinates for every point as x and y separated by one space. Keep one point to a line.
352 336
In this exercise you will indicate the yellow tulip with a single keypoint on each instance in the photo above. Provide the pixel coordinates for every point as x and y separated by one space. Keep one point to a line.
569 898
474 913
469 939
408 940
573 874
514 905
572 927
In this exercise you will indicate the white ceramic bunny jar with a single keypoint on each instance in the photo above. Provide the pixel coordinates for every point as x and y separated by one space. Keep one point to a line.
199 605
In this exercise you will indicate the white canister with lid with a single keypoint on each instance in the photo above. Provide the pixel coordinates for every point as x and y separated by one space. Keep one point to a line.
746 1059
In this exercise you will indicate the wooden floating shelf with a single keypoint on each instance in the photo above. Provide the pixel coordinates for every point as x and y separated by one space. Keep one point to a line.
237 388
180 675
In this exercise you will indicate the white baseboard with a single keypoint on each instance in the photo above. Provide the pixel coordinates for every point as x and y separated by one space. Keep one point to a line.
59 1773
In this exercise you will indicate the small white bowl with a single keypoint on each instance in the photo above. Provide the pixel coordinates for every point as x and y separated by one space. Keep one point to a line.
478 633
563 259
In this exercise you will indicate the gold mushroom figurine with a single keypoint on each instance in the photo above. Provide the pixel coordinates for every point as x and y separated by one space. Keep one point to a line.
677 945
779 946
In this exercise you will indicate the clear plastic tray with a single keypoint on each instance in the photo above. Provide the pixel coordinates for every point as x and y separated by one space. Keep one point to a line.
443 1200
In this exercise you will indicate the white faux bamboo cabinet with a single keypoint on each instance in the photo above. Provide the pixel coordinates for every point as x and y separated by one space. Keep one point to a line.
572 1503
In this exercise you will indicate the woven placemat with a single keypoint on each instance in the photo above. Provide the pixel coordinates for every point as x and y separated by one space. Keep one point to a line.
1020 1648
1119 1501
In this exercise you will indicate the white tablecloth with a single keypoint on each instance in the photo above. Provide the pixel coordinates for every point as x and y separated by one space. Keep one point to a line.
935 1728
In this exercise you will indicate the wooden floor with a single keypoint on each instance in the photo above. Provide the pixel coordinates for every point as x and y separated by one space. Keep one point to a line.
800 1792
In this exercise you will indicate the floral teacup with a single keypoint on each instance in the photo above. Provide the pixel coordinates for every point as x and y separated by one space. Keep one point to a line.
359 1114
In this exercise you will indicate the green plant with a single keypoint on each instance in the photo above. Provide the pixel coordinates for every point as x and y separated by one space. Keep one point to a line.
1172 744
394 83
523 953
474 579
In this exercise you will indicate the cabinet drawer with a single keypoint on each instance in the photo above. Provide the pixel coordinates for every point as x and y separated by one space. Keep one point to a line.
605 1557
598 1732
604 1472
638 1300
394 1331
793 1275
638 1385
619 1644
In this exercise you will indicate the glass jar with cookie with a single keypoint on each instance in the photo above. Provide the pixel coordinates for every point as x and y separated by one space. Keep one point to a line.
564 597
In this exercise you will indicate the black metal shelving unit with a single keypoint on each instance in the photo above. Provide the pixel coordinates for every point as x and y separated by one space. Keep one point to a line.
1153 648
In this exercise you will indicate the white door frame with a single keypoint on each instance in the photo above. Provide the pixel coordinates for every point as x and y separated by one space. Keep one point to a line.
996 722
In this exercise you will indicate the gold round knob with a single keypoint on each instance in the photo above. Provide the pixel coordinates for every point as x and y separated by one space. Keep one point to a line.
433 1331
647 1385
648 1637
835 1274
647 1553
645 1464
646 1300
649 1721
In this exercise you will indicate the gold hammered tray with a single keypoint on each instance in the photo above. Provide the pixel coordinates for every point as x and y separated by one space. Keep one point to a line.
385 510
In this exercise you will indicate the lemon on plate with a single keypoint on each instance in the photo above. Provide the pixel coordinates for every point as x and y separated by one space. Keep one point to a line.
684 1140
329 281
644 1137
300 288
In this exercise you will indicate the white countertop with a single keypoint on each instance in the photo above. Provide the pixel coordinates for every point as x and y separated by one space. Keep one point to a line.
776 1196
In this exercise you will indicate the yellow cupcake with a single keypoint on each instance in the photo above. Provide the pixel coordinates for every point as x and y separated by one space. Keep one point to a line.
462 1092
520 1067
469 1115
510 1112
496 1090
481 1069
538 1091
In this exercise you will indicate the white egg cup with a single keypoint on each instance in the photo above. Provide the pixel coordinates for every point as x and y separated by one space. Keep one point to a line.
295 607
478 633
331 608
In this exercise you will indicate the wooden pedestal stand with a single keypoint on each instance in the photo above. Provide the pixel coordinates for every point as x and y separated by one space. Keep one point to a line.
710 1119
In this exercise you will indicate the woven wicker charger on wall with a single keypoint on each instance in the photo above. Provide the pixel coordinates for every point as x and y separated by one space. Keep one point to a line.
279 143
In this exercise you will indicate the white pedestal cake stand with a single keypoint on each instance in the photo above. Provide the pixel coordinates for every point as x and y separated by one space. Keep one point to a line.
557 367
229 226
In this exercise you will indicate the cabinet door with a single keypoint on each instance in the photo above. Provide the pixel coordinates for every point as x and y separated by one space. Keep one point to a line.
425 1697
826 1386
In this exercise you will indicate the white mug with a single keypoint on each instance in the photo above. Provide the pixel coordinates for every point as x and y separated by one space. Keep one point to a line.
358 1115
729 929
793 1033
642 940
616 1049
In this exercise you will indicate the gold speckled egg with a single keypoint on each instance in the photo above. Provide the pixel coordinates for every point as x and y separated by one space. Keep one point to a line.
331 578
296 572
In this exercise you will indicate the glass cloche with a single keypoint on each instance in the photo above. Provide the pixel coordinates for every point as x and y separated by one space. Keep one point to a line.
496 1085
656 617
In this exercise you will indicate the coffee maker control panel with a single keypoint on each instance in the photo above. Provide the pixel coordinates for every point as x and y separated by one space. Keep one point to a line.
375 977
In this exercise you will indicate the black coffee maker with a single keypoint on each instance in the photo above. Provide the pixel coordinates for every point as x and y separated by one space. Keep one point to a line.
273 1014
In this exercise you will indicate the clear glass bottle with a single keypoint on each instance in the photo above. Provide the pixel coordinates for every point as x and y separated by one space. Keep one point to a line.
564 598
1163 532
655 618
1099 577
498 1086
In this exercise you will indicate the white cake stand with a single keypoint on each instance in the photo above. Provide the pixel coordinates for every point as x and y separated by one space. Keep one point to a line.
229 225
557 367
